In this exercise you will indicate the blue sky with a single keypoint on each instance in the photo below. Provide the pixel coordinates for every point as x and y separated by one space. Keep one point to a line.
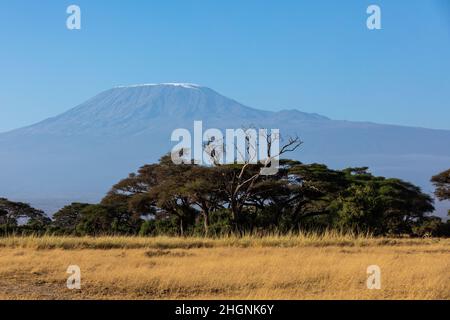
316 56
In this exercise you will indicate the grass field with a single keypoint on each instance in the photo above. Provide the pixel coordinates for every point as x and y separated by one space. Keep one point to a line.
293 267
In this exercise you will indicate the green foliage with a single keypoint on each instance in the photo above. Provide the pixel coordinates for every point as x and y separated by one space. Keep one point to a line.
442 184
167 226
67 219
432 227
219 223
95 220
359 209
101 219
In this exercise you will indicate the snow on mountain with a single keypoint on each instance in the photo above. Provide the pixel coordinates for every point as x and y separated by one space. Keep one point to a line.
183 85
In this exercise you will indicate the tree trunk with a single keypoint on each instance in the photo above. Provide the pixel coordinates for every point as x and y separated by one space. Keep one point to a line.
206 222
233 210
181 227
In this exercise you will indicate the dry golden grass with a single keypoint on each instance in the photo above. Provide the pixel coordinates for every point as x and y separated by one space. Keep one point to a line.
332 266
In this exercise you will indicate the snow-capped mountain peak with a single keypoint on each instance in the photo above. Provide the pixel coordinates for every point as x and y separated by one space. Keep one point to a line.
175 84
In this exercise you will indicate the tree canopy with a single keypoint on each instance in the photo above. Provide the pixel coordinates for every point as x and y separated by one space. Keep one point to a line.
234 198
442 183
18 215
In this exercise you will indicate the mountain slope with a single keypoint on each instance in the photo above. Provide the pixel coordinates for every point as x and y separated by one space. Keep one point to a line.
79 154
128 110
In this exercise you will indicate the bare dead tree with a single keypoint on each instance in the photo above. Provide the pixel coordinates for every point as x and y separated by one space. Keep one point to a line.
240 187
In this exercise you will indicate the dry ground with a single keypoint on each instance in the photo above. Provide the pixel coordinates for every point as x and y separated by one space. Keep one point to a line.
300 267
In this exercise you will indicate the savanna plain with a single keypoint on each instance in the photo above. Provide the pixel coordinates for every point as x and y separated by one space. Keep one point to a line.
329 266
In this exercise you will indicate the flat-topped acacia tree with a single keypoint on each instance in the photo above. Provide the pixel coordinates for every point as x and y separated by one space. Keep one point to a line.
442 183
11 214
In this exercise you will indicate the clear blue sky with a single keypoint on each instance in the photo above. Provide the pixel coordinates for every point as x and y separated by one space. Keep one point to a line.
316 56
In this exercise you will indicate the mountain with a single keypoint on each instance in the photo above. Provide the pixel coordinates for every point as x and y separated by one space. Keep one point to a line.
78 155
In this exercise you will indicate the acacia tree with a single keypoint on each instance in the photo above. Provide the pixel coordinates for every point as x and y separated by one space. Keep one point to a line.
170 197
315 186
203 191
156 191
442 184
403 205
131 191
12 212
240 180
67 218
95 220
380 205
